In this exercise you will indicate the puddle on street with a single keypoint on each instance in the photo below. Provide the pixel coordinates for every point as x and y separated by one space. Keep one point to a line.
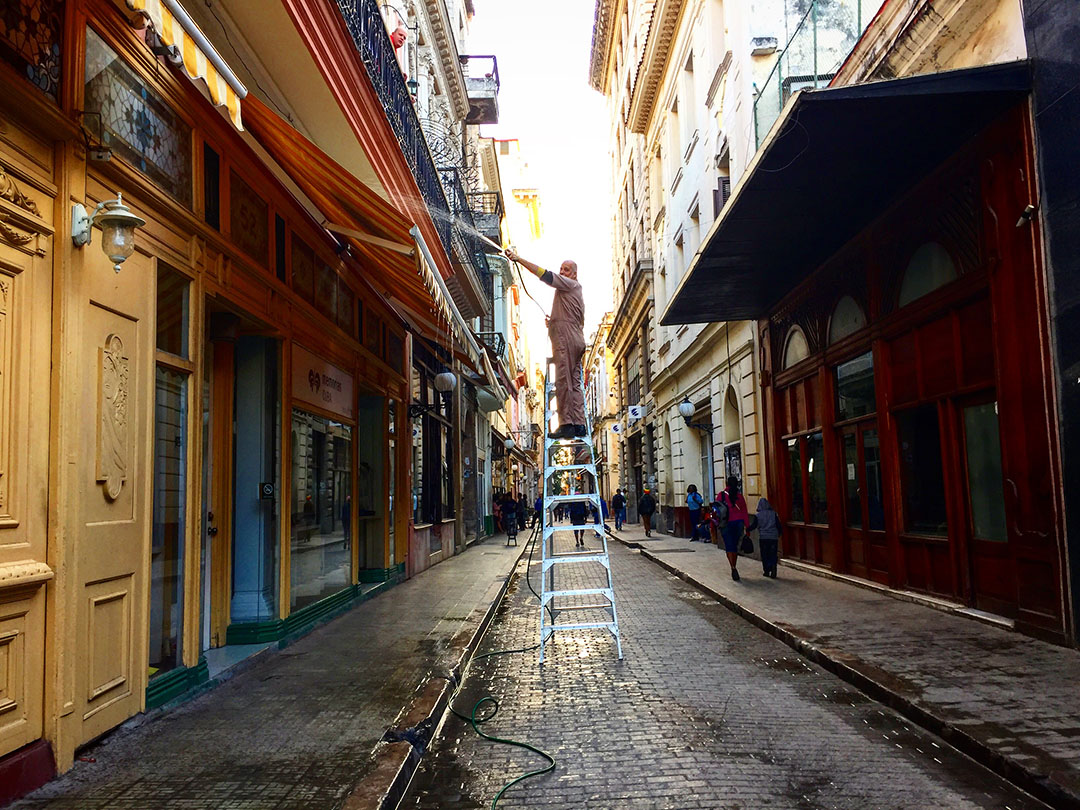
796 666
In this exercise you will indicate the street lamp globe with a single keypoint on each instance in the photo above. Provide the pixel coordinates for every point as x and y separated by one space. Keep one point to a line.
686 409
445 382
509 444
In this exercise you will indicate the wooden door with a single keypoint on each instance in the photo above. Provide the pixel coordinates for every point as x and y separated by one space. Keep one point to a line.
864 512
109 420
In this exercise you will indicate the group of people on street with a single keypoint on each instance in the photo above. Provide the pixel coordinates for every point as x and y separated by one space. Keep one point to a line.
511 512
728 520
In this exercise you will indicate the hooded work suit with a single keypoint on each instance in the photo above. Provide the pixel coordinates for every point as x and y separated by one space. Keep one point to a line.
566 327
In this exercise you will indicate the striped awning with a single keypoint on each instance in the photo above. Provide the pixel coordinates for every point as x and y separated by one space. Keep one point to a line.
192 49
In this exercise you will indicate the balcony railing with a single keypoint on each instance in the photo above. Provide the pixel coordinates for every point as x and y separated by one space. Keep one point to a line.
824 36
368 31
487 211
464 226
482 88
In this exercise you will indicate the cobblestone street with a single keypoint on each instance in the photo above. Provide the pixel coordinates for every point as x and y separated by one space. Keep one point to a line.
706 711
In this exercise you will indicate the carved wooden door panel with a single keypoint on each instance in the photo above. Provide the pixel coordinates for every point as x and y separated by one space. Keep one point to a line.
25 293
115 367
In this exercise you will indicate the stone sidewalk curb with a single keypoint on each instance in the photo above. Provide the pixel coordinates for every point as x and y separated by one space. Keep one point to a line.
847 667
395 759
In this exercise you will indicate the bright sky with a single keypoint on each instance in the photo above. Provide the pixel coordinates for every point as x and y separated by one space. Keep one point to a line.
546 103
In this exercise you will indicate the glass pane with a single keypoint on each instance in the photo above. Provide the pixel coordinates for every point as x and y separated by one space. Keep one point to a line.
921 477
874 503
371 444
167 540
852 505
392 472
321 534
30 40
930 267
815 476
446 472
303 268
249 219
847 319
172 311
135 122
985 480
855 387
797 348
795 462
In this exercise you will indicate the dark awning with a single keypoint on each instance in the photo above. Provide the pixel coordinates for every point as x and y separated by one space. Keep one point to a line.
832 163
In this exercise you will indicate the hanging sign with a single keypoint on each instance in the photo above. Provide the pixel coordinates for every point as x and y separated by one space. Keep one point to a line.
320 383
635 412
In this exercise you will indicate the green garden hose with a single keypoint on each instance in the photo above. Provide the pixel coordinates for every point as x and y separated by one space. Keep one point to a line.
475 718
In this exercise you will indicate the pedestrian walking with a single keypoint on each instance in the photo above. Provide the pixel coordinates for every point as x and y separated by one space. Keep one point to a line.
732 500
522 509
509 514
618 503
647 508
694 502
577 518
538 510
770 530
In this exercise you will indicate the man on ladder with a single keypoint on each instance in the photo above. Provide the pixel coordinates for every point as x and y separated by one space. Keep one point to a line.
566 327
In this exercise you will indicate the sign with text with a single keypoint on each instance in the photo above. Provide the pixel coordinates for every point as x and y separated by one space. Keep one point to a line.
320 383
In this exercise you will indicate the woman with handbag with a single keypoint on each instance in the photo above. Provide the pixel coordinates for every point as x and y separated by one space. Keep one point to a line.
736 522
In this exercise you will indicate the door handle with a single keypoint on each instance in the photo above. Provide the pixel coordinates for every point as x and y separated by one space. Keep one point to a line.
212 531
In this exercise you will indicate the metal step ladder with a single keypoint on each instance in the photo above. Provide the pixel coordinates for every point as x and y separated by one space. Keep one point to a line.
556 559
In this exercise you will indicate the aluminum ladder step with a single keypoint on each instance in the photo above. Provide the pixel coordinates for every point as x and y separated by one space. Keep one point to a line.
554 473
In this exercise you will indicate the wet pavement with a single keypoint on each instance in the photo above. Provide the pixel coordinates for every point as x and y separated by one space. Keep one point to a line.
1007 699
706 710
298 729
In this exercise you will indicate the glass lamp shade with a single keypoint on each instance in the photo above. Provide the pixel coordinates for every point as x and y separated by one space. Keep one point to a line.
445 381
118 226
509 444
686 409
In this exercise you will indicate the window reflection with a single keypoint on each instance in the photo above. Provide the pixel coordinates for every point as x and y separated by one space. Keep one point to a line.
985 479
853 505
322 508
815 477
167 539
795 462
855 387
921 476
874 504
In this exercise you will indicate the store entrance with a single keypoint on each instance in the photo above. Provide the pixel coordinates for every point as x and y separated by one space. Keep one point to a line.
241 460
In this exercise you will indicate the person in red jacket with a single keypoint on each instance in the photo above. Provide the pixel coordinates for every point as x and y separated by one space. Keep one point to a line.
736 522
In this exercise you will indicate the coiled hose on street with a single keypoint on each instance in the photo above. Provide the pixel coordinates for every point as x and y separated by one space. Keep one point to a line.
488 706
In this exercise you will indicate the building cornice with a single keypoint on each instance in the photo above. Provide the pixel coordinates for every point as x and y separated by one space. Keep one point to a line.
602 43
445 47
654 60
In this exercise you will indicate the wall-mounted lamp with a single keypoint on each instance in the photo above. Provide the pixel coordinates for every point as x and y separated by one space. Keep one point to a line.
117 225
445 382
686 411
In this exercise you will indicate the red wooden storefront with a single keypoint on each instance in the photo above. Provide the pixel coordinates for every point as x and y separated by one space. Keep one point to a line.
909 396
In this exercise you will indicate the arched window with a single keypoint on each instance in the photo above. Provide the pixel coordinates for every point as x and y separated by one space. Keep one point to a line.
930 267
796 349
847 319
731 417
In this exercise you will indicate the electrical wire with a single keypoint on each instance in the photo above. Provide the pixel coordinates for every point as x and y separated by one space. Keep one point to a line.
480 715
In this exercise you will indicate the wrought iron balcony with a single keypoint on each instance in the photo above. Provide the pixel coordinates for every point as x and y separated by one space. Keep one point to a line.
487 212
365 25
470 248
482 87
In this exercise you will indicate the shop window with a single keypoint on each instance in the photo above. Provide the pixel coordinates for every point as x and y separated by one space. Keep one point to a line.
326 290
172 311
344 306
796 349
853 503
847 319
815 478
168 535
279 248
31 41
249 219
921 476
322 510
798 513
930 267
303 269
985 479
855 387
211 187
875 504
373 334
395 350
135 122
